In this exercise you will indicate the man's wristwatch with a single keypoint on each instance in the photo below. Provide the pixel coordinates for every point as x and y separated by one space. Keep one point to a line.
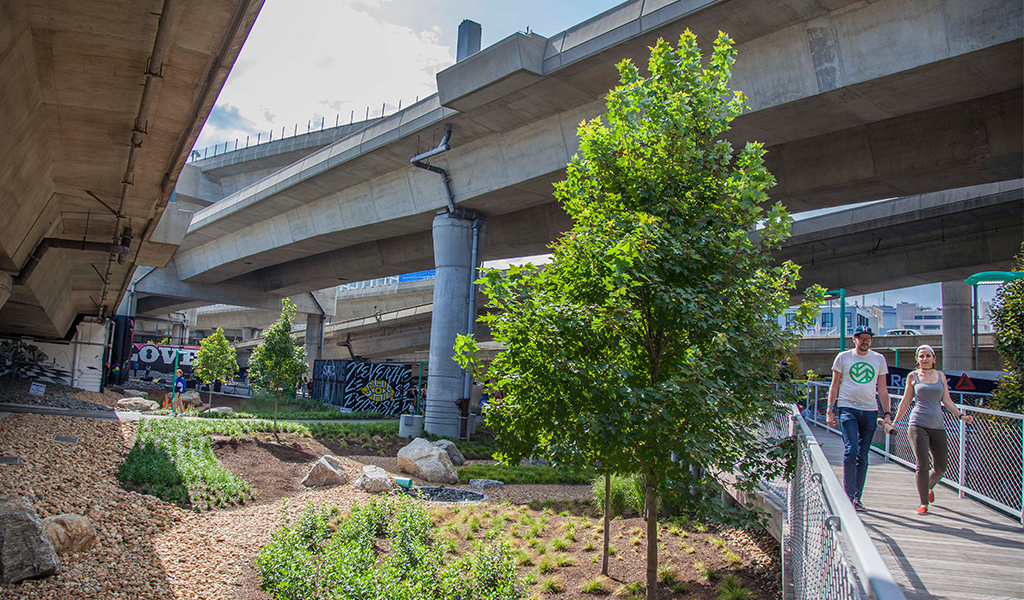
887 414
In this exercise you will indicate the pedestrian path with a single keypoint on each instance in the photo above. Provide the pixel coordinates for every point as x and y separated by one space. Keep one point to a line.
961 549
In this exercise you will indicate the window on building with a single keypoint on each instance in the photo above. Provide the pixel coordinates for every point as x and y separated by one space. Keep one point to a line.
826 320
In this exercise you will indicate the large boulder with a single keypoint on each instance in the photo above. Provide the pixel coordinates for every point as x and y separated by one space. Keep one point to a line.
327 471
129 393
427 461
25 553
69 533
374 480
485 484
139 404
453 452
224 410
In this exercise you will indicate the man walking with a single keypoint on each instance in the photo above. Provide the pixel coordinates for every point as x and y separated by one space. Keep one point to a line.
856 376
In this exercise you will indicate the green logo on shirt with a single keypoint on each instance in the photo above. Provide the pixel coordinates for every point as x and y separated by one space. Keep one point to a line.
862 372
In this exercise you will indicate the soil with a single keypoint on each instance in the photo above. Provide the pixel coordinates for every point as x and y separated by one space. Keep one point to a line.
154 550
275 470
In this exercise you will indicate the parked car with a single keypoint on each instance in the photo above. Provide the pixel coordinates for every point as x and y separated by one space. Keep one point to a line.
901 332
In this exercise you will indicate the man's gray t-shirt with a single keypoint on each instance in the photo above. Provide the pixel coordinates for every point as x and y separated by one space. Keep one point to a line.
860 374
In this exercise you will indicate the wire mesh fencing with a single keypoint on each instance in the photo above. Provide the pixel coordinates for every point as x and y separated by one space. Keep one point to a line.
986 458
826 552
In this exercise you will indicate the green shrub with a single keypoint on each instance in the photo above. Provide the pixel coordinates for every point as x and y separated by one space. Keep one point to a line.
318 558
523 474
626 496
342 429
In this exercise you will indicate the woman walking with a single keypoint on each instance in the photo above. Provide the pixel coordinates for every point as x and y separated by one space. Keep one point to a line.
926 387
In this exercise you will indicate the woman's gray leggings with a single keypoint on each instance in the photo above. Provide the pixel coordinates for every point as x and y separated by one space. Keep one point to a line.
923 440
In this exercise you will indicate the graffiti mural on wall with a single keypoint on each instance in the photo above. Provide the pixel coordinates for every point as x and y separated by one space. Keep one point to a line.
363 387
30 361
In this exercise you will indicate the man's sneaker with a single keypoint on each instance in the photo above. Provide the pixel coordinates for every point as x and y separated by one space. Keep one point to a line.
858 505
931 496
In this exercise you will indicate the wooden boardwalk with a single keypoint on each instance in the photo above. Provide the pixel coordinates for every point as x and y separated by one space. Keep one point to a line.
961 549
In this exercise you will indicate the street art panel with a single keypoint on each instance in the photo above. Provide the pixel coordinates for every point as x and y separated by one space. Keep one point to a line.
362 386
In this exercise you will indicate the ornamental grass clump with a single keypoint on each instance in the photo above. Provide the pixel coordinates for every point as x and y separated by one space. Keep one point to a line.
384 549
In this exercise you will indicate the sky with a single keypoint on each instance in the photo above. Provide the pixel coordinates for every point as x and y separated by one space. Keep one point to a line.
336 60
307 60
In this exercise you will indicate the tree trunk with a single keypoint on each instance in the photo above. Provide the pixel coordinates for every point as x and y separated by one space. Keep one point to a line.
210 399
276 399
607 521
652 541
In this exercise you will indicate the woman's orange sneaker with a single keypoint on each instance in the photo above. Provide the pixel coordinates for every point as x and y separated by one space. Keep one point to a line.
931 496
922 509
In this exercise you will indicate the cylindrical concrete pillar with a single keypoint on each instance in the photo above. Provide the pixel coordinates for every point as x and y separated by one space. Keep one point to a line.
453 240
5 287
314 338
957 332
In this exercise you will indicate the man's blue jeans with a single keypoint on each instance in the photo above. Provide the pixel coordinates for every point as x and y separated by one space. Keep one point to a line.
858 428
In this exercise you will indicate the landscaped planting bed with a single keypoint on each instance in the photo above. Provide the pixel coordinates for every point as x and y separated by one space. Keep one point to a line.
173 459
398 548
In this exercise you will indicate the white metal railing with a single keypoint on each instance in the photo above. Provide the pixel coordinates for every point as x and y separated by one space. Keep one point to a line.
826 551
986 458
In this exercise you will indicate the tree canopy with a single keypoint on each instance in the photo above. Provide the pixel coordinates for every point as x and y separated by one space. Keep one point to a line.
650 343
216 360
277 363
1007 313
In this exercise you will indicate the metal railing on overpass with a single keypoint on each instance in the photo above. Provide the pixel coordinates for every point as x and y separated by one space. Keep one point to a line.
826 551
986 458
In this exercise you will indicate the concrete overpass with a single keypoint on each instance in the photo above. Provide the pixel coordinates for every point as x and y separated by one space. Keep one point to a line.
874 247
855 101
102 102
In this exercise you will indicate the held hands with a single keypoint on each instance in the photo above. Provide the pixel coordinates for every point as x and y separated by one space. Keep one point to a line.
967 418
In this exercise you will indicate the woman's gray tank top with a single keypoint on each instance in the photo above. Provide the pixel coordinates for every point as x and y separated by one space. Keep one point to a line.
928 405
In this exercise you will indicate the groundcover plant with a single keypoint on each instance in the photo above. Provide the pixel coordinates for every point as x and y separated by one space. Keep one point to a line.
384 549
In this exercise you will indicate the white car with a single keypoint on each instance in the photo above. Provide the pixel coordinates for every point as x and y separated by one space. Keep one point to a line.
901 332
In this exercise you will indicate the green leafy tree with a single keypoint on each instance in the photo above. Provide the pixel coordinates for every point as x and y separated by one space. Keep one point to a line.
277 362
215 361
650 343
1007 314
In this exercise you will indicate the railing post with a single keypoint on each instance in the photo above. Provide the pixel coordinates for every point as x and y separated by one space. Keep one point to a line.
1022 472
963 462
888 438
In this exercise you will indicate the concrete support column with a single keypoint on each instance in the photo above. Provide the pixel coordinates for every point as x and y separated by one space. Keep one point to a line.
957 327
6 283
314 339
453 239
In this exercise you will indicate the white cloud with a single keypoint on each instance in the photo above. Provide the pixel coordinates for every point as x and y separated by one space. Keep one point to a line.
309 60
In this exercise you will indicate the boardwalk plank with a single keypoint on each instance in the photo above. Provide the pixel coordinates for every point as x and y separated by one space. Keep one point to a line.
961 549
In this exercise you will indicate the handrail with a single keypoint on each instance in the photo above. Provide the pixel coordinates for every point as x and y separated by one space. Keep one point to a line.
876 579
986 458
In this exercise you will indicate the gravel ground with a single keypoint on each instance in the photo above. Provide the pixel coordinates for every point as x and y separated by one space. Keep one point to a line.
146 548
15 391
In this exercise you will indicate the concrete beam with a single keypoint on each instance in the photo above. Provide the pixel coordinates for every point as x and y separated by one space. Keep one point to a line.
174 294
911 241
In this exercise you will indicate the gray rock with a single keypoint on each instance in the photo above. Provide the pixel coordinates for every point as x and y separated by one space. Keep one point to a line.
453 452
427 461
227 410
327 471
483 484
139 404
374 480
69 533
129 393
25 552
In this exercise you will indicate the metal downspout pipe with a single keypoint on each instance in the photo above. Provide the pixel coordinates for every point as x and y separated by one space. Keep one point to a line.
467 384
154 68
